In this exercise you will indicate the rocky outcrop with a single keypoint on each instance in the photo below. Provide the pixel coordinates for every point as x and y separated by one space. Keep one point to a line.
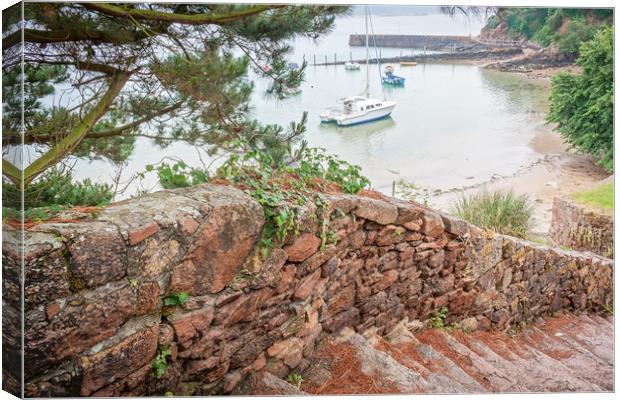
102 296
581 228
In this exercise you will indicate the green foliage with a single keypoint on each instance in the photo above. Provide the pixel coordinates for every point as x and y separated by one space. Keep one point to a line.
176 299
583 105
316 163
601 197
578 31
280 183
437 320
55 190
179 175
503 212
295 380
187 64
160 363
281 188
543 25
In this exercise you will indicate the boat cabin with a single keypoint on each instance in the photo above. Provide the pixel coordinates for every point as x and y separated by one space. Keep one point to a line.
358 103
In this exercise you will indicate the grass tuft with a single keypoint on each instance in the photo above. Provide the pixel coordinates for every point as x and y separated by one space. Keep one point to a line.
501 211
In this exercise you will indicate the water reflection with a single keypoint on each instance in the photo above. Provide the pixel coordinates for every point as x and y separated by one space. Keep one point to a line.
359 133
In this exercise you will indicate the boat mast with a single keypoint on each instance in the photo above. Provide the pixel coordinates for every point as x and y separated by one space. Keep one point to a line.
367 55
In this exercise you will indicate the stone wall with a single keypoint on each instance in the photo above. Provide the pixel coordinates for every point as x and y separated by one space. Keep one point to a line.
581 228
94 310
430 42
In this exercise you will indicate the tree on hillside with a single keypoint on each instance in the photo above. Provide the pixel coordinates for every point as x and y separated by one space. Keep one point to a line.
98 75
583 105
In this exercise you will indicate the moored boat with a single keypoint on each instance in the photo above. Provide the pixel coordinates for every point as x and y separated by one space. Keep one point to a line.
408 63
358 110
351 66
390 79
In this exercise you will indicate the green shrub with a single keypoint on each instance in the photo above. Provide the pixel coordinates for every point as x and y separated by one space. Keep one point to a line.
577 32
179 175
503 212
56 188
583 105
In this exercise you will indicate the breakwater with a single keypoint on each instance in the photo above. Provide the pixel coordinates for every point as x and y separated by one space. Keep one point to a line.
494 54
430 42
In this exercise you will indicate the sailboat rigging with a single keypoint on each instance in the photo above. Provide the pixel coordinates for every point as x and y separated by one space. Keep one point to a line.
362 108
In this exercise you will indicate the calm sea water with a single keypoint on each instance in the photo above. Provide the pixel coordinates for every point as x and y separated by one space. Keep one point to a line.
454 125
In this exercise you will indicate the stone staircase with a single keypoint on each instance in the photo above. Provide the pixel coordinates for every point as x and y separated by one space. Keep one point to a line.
568 353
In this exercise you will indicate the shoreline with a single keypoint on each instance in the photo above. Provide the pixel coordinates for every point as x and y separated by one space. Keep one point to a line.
558 171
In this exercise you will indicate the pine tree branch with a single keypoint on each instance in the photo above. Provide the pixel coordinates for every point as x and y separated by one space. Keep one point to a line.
12 172
64 147
120 129
187 19
76 35
13 139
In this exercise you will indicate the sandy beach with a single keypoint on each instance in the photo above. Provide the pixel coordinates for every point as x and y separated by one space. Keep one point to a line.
559 171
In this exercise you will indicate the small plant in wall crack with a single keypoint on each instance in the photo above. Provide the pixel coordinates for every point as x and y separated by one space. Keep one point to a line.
295 380
437 320
160 363
176 299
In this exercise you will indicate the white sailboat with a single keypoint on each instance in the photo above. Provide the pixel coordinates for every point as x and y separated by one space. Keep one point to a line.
362 108
351 66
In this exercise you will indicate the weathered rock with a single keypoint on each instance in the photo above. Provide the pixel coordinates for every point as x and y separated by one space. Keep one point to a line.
307 285
303 247
378 211
222 245
117 361
432 223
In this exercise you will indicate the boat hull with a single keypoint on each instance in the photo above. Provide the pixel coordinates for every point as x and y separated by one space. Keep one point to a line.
371 115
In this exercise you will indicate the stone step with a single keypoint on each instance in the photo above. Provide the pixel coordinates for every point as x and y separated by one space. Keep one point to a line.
561 354
379 364
436 368
531 368
580 334
483 372
600 325
265 384
349 364
585 365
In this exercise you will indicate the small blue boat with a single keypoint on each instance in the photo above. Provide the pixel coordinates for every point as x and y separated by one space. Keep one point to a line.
390 79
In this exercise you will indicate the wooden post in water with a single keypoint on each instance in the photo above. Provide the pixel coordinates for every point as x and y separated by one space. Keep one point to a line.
325 59
335 59
350 56
393 188
314 57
